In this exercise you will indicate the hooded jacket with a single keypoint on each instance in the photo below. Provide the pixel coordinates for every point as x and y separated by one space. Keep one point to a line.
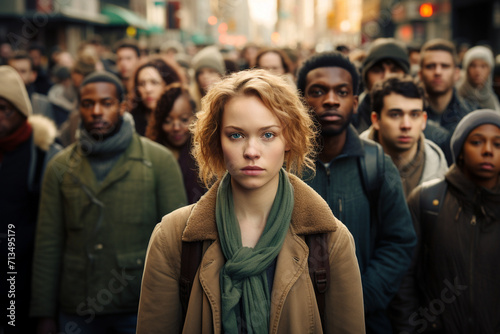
21 174
435 165
452 286
293 302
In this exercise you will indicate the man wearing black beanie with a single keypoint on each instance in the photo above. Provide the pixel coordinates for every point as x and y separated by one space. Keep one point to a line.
386 57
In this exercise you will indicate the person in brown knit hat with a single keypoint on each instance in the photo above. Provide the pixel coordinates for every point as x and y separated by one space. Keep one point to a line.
26 144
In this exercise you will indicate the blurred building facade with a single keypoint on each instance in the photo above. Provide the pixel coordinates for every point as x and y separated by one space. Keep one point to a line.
322 24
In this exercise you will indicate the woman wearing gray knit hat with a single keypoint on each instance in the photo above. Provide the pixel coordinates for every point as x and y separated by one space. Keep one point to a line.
455 272
477 84
209 67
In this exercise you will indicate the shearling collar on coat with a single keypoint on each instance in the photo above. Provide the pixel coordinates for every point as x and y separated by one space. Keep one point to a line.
311 214
44 131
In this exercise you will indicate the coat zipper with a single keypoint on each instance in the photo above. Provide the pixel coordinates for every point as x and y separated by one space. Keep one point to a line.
473 223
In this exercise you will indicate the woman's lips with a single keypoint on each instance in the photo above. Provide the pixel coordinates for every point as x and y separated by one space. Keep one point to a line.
487 166
252 170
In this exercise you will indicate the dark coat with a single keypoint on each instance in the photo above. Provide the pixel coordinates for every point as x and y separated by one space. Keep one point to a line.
452 286
383 249
21 174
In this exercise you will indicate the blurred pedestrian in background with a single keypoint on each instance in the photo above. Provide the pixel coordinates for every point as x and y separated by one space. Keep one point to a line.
151 78
169 126
275 61
101 198
209 68
439 72
477 84
26 146
385 57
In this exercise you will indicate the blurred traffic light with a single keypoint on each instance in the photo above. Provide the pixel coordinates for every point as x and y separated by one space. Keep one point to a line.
426 10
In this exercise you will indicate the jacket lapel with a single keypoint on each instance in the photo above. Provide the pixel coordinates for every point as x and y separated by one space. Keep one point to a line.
211 264
291 264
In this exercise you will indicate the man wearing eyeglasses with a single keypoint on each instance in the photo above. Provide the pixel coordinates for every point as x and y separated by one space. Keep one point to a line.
26 144
101 198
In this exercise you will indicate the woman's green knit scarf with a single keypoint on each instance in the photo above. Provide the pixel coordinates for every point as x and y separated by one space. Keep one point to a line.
243 279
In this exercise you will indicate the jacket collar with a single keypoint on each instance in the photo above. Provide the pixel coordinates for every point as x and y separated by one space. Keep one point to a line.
485 202
81 170
353 146
311 214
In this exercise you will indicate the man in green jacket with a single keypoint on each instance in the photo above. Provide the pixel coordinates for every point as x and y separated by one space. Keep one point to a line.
101 198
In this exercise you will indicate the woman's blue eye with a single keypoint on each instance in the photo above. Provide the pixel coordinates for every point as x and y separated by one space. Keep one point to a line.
268 135
235 136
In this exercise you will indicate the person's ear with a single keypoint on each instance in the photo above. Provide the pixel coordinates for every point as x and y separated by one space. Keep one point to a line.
287 147
123 108
375 120
424 123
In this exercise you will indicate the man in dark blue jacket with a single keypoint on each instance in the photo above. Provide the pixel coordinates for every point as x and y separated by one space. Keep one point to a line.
373 208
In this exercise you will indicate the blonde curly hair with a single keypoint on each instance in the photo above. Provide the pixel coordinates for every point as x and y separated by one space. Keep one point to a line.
278 96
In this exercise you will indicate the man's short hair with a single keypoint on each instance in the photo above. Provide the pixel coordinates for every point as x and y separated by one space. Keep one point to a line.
22 55
439 44
102 76
327 59
37 46
405 86
128 43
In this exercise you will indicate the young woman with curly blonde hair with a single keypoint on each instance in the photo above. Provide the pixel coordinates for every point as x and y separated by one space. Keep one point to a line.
252 134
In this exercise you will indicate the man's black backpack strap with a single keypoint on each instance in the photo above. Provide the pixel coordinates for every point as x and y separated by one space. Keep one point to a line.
191 255
372 166
319 269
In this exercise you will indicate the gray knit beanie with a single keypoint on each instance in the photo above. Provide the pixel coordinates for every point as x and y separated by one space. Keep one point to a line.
469 123
12 88
209 57
386 48
478 52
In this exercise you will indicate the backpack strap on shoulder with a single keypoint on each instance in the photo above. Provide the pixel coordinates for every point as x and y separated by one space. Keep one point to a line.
191 255
372 166
369 166
319 269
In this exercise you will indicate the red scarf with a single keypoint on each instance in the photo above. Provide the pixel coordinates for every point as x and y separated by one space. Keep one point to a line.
10 143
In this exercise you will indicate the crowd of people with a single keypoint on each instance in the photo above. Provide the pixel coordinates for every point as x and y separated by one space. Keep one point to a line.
272 190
